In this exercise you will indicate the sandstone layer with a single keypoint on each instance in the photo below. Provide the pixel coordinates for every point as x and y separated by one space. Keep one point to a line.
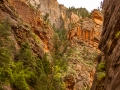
27 25
87 30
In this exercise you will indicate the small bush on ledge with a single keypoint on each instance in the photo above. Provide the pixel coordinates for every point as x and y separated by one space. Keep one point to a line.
100 76
101 67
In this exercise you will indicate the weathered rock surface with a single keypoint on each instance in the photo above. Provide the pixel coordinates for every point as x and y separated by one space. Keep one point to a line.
52 8
87 30
110 46
27 25
74 18
81 68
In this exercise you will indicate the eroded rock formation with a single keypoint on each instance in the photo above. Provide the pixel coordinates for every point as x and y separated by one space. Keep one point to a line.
110 46
88 30
50 7
81 68
27 25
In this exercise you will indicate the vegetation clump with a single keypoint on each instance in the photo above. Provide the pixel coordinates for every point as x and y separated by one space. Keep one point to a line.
100 76
81 12
101 67
101 71
26 69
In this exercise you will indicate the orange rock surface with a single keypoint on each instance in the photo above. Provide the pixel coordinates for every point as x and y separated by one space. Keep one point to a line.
89 30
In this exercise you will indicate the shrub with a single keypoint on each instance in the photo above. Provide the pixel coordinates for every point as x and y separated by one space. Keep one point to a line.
45 18
20 83
5 57
101 67
46 64
21 77
26 69
117 34
101 71
42 82
81 12
39 67
100 76
26 56
4 32
5 36
59 58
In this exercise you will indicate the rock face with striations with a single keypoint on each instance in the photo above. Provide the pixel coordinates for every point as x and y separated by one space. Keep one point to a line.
87 30
27 25
52 8
110 47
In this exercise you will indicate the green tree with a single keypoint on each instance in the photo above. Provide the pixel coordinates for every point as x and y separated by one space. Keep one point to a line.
26 56
4 32
5 57
81 12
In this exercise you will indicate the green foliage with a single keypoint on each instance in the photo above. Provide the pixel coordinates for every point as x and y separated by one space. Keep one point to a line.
101 67
4 32
36 38
101 71
35 70
5 57
5 52
19 76
31 6
46 19
26 70
16 73
4 75
42 82
60 46
100 76
117 34
42 72
38 6
25 55
85 54
59 58
81 12
21 83
46 64
6 44
62 34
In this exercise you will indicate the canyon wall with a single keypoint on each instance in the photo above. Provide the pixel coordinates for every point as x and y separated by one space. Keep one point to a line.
110 47
27 25
87 30
52 8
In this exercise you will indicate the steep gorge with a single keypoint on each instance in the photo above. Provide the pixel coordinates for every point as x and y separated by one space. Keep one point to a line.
26 23
32 36
110 47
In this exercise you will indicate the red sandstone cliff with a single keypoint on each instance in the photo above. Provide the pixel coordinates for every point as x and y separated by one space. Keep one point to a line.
87 30
27 25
